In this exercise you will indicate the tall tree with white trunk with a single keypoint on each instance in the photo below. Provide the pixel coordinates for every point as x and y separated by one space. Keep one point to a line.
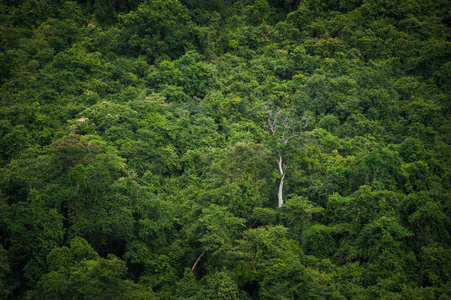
284 126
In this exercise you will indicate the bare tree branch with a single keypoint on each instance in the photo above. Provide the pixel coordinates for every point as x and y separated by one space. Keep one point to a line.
195 264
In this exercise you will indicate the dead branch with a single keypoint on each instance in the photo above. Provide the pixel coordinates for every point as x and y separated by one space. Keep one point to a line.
195 264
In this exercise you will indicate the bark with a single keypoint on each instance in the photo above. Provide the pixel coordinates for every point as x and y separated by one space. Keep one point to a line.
282 170
195 264
280 190
279 162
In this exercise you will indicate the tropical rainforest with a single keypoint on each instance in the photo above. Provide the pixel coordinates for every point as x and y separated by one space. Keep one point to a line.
225 149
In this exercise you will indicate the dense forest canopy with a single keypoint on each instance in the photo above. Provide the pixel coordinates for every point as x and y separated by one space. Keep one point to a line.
225 149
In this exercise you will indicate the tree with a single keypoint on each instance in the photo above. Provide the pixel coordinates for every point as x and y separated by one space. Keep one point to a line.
266 263
214 228
240 180
284 127
90 279
4 272
77 272
159 29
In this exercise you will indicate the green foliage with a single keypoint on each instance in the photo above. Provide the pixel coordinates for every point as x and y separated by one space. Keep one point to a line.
158 29
64 258
319 241
189 72
215 227
4 272
134 146
436 260
33 232
93 279
265 251
240 180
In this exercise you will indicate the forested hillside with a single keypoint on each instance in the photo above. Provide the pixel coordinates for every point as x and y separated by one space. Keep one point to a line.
225 149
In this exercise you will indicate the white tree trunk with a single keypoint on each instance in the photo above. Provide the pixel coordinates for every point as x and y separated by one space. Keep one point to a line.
280 164
280 190
282 172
